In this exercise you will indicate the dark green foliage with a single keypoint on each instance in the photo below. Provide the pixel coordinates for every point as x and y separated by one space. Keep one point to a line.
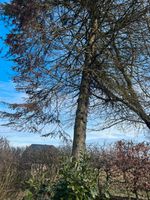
38 188
78 181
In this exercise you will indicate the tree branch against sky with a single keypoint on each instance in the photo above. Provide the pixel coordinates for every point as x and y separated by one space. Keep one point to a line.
90 56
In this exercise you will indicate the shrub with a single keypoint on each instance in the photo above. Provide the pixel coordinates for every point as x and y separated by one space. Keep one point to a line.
38 188
78 181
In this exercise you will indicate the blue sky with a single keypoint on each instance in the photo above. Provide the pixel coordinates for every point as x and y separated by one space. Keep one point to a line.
8 94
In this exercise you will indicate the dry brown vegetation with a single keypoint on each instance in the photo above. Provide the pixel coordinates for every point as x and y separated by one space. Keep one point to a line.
124 169
9 171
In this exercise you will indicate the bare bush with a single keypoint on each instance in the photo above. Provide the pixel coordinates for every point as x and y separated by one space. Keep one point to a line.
9 176
123 169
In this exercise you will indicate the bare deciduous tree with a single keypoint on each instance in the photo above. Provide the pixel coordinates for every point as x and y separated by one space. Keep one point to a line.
93 53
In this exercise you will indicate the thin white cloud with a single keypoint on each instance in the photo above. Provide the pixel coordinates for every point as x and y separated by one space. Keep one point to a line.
113 135
25 139
9 94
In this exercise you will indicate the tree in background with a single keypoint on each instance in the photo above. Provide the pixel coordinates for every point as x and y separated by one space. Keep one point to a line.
81 57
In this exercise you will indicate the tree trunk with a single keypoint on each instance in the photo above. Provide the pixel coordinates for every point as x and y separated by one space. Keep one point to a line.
81 116
79 145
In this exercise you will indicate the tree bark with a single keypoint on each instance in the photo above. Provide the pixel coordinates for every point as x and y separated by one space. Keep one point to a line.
79 144
79 140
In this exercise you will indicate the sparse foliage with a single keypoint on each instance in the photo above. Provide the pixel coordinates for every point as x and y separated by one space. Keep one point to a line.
67 52
124 169
9 171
